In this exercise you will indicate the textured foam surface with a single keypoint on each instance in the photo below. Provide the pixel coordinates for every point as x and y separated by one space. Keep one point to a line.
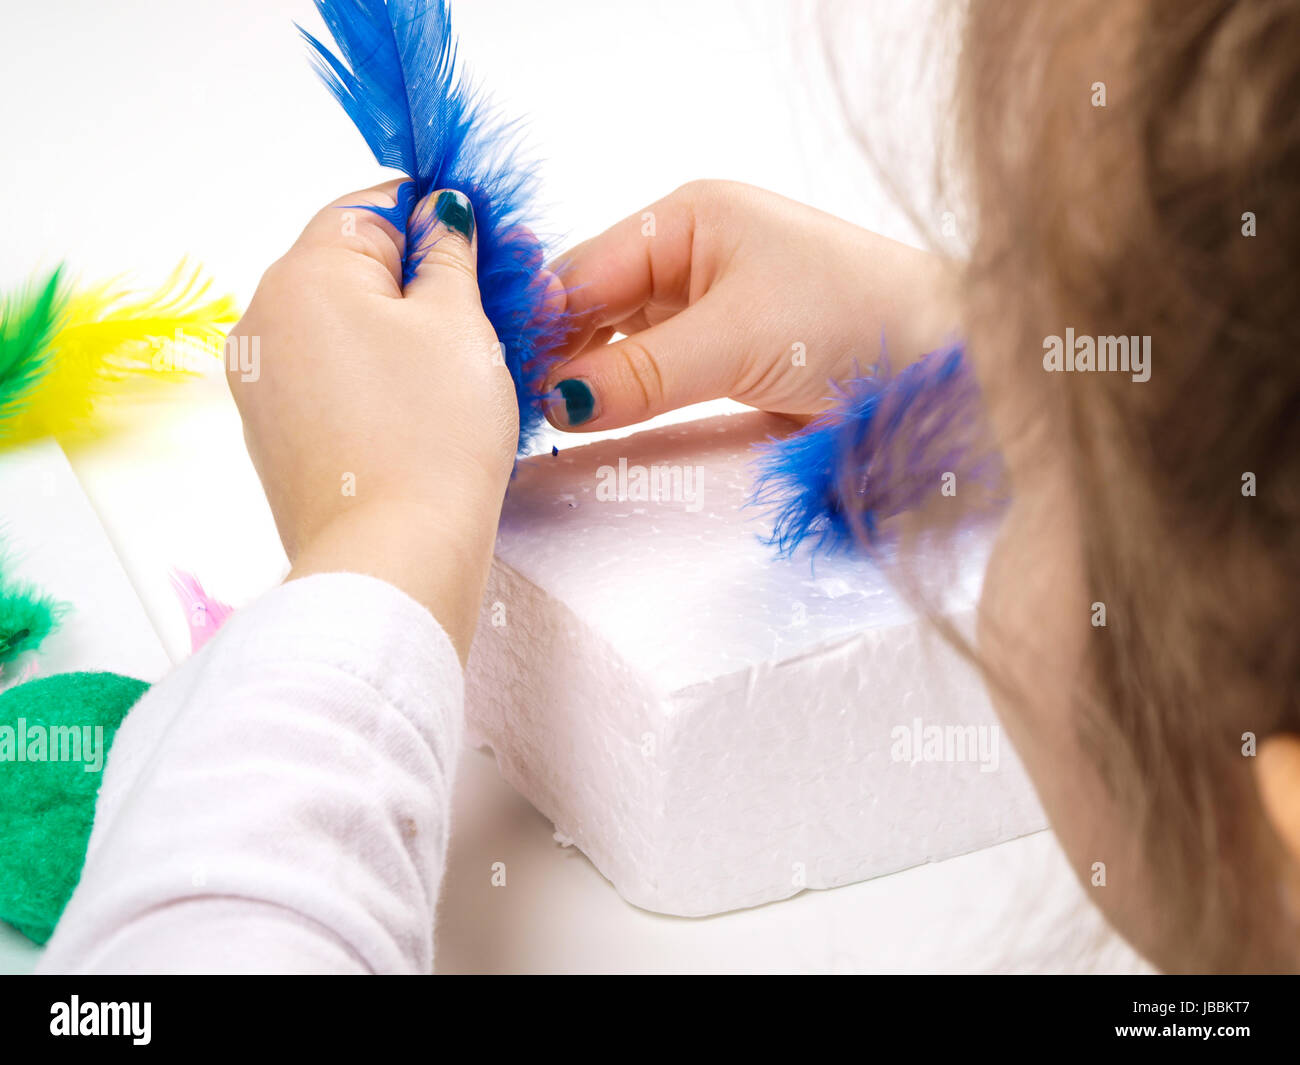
716 728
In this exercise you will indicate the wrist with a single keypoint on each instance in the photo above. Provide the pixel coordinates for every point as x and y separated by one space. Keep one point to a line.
437 552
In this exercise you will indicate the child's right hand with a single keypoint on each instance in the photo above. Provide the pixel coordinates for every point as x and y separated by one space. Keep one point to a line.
723 289
379 418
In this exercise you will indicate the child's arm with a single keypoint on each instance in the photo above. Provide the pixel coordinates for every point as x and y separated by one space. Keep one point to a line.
723 289
280 801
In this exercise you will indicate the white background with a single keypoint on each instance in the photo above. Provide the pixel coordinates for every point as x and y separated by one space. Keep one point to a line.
139 131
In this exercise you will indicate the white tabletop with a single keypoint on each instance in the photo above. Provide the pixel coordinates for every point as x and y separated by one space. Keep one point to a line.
138 132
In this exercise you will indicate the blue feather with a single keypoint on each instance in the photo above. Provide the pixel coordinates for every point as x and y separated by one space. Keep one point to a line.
880 450
396 75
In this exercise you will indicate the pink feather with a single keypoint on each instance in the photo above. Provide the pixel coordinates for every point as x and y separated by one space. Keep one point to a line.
206 614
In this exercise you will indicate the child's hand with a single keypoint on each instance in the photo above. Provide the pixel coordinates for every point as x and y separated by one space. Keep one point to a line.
381 421
723 289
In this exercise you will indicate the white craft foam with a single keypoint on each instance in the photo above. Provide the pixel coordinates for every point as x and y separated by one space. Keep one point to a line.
713 727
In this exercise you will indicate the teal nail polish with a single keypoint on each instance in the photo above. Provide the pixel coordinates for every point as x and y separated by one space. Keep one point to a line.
579 401
454 211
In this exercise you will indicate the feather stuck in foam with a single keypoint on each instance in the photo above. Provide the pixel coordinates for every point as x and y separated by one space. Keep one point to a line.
398 78
64 350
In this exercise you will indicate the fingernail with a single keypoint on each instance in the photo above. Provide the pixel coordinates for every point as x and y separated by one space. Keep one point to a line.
579 400
454 211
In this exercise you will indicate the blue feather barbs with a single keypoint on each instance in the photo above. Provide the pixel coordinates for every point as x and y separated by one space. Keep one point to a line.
397 76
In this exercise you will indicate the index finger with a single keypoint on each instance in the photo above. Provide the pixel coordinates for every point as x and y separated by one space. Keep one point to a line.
644 259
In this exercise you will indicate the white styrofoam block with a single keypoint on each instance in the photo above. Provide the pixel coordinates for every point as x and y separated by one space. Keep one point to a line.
716 728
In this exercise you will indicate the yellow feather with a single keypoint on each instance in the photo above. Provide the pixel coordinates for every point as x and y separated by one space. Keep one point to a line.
110 341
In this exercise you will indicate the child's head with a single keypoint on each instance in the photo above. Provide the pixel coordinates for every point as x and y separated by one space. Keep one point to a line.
1133 170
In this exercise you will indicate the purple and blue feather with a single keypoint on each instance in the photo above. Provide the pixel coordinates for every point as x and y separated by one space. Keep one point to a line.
881 449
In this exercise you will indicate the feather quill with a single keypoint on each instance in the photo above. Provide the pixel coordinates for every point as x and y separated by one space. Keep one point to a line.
64 351
397 76
882 449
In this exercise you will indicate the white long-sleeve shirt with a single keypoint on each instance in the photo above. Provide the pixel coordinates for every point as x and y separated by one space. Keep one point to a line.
279 802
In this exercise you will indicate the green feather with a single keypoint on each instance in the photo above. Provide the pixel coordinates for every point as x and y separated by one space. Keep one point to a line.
27 616
28 321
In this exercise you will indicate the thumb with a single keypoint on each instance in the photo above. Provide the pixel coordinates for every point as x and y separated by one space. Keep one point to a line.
443 259
656 370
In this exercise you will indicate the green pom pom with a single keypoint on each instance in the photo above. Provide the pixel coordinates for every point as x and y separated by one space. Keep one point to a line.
55 734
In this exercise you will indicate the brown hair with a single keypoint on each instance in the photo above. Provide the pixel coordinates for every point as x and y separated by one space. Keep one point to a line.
1132 217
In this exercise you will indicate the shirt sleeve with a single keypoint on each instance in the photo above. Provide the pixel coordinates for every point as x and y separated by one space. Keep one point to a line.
279 802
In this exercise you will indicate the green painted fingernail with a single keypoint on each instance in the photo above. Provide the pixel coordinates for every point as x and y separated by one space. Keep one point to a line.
579 400
454 211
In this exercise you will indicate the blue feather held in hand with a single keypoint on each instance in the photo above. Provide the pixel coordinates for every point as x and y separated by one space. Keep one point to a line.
397 77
